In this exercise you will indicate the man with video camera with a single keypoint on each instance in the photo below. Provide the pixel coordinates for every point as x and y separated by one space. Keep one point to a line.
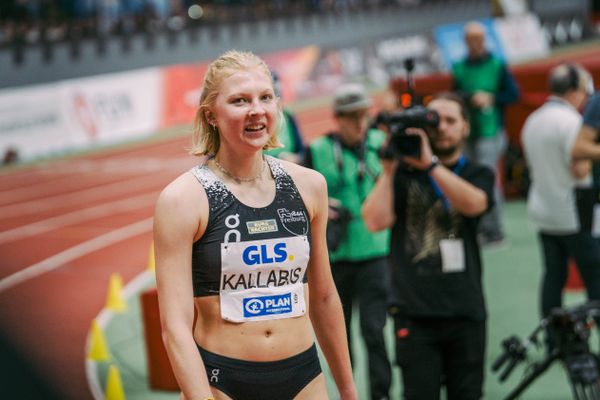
348 159
433 201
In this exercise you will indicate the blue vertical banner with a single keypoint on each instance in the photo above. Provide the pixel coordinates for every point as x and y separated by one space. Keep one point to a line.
450 40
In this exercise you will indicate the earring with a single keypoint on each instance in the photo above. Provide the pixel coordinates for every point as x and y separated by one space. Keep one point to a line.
210 118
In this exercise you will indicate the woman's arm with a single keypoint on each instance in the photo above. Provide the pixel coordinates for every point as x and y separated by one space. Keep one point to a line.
176 222
581 168
585 146
325 306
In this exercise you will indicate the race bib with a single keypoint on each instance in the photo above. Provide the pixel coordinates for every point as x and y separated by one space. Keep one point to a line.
263 279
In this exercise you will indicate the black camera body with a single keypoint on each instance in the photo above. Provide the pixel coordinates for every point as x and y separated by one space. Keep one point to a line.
401 143
413 116
571 326
336 228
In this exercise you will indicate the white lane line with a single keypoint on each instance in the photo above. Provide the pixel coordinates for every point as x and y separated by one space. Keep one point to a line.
91 372
113 167
36 228
81 196
134 287
75 252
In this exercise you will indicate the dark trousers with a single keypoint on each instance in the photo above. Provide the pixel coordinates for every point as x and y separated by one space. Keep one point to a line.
436 352
364 282
556 251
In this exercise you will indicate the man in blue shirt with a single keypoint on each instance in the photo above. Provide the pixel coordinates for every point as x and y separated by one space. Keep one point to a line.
587 144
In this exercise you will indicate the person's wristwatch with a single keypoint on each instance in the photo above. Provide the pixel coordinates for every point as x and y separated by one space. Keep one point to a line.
434 163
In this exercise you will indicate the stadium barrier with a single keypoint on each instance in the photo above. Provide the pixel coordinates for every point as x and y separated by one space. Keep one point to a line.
160 373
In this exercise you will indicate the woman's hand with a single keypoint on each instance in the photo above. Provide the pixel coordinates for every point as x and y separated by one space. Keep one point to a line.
349 394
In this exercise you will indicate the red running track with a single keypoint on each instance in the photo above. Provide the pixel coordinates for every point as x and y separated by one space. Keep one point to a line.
65 227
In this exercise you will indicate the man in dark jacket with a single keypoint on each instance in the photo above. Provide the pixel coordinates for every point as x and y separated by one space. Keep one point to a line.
433 203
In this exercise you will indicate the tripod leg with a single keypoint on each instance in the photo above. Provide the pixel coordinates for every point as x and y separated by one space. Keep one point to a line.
596 391
578 391
583 391
583 377
591 390
538 369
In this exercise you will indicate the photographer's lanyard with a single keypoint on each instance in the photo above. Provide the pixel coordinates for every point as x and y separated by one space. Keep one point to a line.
457 168
362 168
452 248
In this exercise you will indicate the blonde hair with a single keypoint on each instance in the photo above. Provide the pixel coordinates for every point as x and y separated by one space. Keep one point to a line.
205 138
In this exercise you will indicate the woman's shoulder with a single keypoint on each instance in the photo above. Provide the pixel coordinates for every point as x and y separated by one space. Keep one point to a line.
183 194
305 178
310 184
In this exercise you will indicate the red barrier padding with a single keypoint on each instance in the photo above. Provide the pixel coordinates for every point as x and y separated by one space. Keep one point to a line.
574 282
160 373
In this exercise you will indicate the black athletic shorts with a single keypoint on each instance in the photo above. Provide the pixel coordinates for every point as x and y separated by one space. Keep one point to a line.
252 380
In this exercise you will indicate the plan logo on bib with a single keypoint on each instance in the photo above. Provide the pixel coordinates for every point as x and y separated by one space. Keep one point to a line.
267 305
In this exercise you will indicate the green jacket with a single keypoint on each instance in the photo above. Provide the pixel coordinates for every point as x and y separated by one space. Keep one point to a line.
344 184
485 75
289 136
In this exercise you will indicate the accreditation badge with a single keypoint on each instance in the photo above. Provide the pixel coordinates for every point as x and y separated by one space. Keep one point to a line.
596 221
453 255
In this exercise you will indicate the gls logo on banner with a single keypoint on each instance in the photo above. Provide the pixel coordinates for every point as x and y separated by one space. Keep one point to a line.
263 254
267 305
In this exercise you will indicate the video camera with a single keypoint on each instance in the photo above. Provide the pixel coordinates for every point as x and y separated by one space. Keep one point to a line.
413 116
570 330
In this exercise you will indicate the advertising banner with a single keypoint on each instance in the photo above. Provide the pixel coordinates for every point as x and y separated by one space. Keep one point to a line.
293 68
182 83
114 107
450 39
33 122
75 114
514 39
522 38
181 88
373 63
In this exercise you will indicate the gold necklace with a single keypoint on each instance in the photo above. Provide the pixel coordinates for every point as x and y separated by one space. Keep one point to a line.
239 179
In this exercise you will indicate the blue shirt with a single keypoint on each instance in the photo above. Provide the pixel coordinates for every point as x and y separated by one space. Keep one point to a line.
591 116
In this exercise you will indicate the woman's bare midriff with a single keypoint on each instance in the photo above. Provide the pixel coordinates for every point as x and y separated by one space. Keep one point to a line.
251 341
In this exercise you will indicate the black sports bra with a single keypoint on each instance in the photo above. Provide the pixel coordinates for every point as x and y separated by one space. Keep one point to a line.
231 221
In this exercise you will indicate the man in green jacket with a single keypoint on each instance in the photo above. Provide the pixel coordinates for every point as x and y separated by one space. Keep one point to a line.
348 159
486 86
289 135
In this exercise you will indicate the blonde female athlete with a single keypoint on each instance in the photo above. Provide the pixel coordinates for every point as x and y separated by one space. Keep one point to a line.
241 240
